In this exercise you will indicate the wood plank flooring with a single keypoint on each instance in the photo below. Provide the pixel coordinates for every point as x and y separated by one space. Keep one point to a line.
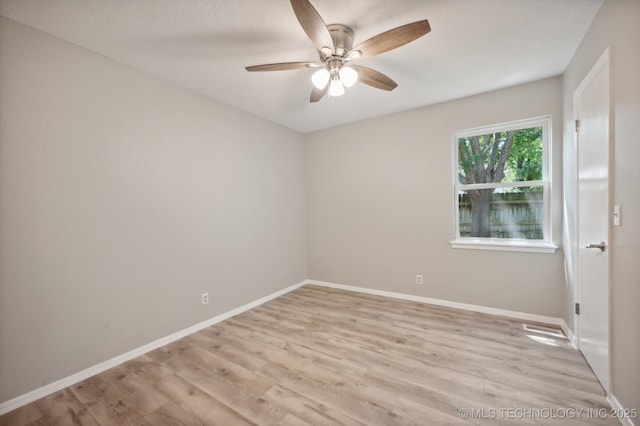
320 356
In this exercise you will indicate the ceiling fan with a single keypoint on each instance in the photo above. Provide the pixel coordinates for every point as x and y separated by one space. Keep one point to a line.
335 47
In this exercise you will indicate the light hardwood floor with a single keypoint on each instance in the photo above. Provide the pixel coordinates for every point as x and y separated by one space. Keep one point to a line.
322 356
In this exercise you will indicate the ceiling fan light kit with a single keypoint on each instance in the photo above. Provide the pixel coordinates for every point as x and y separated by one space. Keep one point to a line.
336 88
348 75
335 48
321 78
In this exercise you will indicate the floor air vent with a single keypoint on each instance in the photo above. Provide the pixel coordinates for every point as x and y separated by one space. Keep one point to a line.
555 332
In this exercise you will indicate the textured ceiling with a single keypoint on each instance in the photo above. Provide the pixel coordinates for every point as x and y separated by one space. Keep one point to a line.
203 45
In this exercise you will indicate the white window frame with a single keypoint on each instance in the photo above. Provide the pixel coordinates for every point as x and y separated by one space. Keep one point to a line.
507 244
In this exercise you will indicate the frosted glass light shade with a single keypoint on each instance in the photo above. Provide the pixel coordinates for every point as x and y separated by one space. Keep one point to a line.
320 78
336 88
348 75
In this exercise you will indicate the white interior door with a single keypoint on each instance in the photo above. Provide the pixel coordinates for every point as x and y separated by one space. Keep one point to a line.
592 109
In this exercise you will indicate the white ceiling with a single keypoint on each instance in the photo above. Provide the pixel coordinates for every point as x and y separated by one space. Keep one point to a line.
203 45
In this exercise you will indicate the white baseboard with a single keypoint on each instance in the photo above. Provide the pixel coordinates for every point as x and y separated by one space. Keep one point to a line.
457 305
617 407
36 394
569 333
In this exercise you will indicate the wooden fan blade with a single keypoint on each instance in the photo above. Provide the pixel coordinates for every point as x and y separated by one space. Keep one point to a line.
312 24
317 94
283 66
392 39
374 78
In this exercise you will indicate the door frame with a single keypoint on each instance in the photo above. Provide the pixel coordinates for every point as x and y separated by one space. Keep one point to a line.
603 61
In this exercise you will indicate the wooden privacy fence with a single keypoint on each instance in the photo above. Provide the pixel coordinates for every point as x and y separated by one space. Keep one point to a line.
513 215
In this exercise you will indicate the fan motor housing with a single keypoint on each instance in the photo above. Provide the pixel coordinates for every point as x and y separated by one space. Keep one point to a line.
342 37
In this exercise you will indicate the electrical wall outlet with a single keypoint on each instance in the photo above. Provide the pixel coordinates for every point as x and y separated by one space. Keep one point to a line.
419 279
205 298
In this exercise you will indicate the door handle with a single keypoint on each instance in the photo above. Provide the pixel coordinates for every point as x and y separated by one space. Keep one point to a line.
602 246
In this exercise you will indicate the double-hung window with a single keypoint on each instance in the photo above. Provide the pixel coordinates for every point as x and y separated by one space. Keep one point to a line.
501 187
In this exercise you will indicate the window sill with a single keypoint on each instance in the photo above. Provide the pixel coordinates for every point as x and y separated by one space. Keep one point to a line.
504 245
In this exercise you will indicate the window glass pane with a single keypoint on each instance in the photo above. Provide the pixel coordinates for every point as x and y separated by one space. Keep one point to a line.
509 156
502 213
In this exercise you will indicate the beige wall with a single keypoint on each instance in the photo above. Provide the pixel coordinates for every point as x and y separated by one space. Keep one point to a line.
122 199
379 203
616 27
